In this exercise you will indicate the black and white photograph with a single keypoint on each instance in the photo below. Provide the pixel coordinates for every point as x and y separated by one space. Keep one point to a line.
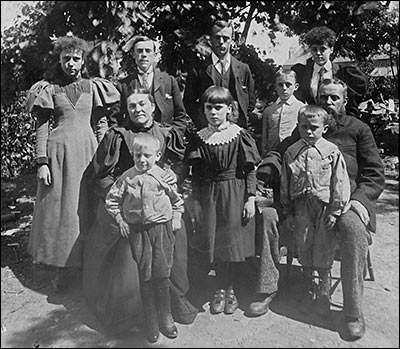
199 174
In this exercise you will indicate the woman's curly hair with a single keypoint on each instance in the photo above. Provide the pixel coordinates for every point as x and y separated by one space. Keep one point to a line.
67 42
70 42
320 36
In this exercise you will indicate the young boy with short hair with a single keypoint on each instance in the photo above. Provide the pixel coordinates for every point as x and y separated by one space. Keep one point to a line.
315 191
280 118
148 210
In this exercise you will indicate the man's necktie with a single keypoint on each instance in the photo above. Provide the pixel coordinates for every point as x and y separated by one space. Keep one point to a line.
320 77
145 82
222 67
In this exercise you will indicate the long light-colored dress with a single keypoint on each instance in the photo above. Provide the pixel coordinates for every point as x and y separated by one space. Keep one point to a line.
60 208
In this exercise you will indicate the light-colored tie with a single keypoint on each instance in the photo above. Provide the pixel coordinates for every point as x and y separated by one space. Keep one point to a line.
145 82
222 67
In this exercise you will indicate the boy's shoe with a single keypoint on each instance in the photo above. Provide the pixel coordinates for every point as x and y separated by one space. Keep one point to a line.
323 305
306 303
231 302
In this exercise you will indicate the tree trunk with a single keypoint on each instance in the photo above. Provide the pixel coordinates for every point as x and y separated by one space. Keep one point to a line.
246 29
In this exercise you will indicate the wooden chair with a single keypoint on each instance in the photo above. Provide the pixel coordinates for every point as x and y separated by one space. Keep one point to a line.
368 270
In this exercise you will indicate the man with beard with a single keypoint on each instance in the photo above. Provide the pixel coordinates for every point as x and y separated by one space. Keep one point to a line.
355 140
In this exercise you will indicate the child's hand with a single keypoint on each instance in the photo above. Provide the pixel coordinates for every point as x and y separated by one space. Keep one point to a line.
176 224
43 174
124 228
330 221
249 209
197 211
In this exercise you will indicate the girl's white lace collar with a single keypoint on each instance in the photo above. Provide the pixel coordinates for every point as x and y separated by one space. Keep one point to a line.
213 136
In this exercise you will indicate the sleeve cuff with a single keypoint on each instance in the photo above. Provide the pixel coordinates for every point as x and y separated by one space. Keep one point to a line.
42 160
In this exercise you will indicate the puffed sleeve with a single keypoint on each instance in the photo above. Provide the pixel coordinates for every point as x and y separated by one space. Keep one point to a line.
175 144
174 154
105 95
192 151
40 95
248 153
40 100
249 158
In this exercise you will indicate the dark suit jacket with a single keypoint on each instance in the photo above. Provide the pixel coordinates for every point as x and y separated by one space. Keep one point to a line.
167 97
200 79
356 80
364 165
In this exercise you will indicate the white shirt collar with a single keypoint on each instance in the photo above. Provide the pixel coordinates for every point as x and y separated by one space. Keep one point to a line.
215 59
290 100
327 66
149 71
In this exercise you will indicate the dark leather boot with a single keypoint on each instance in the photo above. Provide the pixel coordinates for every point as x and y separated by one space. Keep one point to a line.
354 328
150 313
260 307
165 319
308 292
323 302
60 281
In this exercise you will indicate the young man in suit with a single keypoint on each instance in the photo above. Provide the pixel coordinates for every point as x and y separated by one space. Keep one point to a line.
221 69
321 42
169 108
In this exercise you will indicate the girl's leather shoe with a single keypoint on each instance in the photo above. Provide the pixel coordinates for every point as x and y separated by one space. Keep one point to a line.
231 302
218 303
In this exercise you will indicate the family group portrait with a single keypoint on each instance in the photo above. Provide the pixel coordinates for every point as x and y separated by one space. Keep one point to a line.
199 174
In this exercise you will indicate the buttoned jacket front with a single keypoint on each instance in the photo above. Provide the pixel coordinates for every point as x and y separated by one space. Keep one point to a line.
318 170
364 164
144 198
201 78
167 98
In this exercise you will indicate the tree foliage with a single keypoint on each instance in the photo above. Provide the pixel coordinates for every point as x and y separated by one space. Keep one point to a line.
17 138
182 28
363 27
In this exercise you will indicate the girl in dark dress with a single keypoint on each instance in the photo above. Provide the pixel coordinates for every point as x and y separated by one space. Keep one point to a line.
223 157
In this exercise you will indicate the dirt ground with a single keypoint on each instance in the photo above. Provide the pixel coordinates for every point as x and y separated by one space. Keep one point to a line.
33 316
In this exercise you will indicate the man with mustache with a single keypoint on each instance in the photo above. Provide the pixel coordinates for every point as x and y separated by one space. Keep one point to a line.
364 165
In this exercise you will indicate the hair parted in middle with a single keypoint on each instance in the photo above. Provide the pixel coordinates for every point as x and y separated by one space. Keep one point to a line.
142 91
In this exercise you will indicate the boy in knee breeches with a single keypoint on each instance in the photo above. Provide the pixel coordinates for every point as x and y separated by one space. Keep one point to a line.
315 191
148 210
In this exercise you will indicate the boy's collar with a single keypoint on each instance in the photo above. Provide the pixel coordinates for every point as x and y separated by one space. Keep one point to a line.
289 101
327 66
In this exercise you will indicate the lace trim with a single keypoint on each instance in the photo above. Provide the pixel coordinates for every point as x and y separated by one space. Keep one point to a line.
212 136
